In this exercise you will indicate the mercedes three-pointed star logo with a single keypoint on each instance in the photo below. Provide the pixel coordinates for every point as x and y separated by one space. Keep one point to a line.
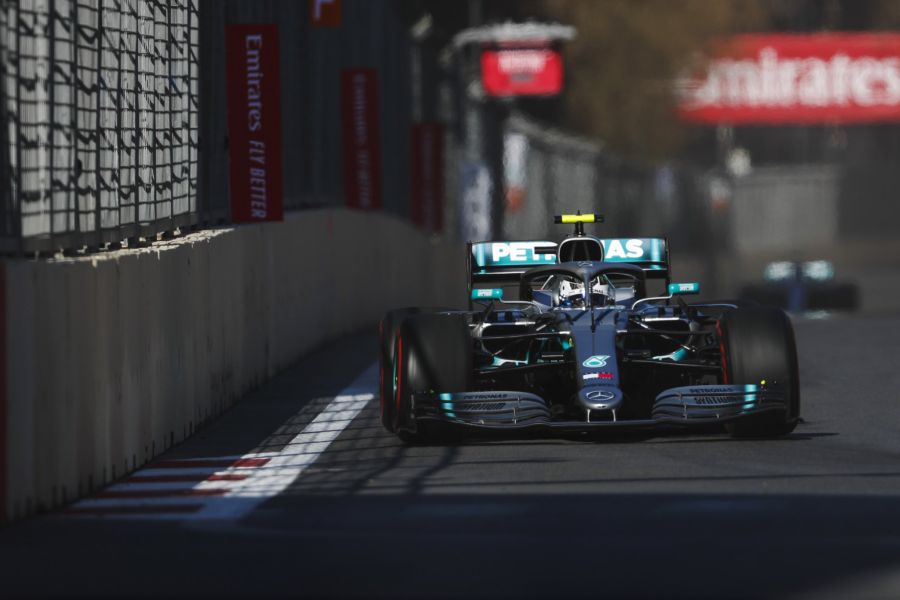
601 395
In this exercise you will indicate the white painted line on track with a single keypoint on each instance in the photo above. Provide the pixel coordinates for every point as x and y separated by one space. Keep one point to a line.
283 469
233 498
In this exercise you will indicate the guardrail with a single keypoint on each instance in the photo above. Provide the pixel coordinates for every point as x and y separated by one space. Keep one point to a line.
118 356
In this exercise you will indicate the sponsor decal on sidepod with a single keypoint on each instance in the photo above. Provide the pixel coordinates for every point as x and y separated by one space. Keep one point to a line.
588 376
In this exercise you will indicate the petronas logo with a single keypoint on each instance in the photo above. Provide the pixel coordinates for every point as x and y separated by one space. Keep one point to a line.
595 362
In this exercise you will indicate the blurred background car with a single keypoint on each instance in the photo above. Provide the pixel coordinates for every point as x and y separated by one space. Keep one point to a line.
802 286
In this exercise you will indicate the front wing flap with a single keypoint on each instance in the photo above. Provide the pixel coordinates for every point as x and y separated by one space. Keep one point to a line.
711 403
498 409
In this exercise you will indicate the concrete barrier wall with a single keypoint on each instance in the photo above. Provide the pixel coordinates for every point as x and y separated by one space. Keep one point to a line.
113 358
785 209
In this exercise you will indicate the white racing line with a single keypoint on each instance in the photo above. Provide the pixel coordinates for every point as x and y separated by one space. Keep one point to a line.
226 487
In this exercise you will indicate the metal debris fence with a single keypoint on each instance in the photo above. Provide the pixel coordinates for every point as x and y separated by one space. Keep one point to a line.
100 107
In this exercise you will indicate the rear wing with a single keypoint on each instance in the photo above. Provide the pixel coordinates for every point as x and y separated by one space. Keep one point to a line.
650 254
497 263
501 264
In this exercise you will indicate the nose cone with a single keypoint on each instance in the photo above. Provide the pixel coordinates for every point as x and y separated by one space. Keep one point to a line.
600 397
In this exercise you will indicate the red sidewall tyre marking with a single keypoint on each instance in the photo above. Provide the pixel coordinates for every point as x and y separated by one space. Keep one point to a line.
722 352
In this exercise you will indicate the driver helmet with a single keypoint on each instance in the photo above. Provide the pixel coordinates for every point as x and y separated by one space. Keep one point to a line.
571 294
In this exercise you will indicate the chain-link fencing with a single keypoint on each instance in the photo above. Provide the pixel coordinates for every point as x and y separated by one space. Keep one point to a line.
100 106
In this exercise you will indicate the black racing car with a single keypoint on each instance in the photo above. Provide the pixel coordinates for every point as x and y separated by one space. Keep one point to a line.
566 337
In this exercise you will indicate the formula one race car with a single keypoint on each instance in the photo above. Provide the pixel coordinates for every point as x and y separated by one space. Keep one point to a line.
579 345
803 286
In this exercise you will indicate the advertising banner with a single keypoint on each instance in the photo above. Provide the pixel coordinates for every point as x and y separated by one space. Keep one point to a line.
521 71
362 139
254 122
428 176
798 79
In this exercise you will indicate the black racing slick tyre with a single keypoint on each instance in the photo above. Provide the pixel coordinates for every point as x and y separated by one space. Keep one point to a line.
387 339
433 354
757 344
387 331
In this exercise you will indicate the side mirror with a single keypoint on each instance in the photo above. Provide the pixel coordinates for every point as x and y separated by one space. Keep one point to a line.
684 289
487 294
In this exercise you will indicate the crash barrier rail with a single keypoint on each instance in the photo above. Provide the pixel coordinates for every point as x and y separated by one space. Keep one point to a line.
769 204
100 103
120 355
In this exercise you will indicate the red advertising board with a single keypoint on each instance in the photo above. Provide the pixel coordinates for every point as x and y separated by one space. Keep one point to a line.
254 123
798 79
521 71
428 176
362 139
325 13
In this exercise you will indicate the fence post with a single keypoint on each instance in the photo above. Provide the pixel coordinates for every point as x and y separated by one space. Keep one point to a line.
98 148
17 199
51 129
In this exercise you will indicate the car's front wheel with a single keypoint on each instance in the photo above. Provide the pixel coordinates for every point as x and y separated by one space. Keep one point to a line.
757 344
433 354
387 331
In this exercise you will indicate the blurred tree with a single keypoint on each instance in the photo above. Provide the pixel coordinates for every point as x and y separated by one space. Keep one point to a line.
627 53
885 14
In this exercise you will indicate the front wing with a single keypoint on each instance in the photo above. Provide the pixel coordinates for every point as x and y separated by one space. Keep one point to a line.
690 405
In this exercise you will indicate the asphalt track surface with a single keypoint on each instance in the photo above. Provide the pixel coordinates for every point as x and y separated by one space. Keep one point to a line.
816 514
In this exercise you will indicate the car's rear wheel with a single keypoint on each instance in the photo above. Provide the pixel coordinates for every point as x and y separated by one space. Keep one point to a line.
757 344
433 354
